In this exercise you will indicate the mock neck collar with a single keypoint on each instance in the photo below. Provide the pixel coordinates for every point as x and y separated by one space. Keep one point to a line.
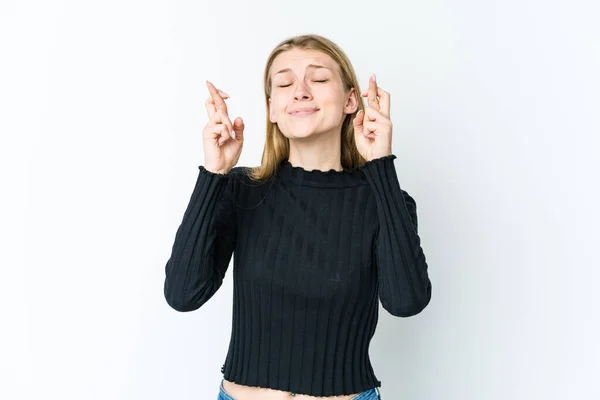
331 178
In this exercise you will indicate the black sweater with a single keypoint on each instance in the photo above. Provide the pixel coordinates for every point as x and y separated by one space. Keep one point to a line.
314 250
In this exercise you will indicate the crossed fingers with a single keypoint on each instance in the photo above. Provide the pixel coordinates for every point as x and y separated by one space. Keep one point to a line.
377 98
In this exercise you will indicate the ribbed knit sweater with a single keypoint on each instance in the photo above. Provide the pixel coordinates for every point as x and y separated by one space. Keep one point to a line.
313 252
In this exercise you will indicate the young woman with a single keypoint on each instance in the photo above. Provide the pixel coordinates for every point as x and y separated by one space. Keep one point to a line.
321 231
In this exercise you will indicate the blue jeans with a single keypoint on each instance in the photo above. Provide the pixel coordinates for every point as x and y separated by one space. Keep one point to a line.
369 394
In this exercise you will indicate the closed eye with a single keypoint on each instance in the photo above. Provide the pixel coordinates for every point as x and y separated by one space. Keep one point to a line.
325 80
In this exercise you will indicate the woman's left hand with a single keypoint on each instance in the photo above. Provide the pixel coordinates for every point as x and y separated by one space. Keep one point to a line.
373 128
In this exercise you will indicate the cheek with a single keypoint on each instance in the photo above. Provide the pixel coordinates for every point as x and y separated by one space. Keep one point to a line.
276 108
332 99
278 105
332 105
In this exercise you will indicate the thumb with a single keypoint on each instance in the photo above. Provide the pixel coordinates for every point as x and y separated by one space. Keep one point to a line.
238 128
358 121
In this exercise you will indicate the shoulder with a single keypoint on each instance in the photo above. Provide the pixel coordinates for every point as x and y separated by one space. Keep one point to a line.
247 192
240 177
238 171
240 174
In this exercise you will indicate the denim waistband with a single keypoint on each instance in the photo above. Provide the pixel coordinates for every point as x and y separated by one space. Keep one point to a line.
369 394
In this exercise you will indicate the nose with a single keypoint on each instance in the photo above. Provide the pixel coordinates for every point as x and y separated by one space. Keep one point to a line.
301 92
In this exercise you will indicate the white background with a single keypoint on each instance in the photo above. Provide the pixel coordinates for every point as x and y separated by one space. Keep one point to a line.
495 106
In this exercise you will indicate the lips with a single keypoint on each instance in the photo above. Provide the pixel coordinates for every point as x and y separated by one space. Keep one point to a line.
304 111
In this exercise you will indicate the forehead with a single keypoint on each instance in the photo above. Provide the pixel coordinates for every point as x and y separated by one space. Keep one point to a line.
298 59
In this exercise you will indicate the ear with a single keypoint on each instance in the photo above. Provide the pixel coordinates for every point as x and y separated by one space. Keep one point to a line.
272 113
351 105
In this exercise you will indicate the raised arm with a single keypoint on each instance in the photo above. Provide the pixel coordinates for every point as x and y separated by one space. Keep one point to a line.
203 244
404 285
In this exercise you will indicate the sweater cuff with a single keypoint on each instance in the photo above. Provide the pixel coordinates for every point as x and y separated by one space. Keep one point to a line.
207 172
381 175
381 171
210 185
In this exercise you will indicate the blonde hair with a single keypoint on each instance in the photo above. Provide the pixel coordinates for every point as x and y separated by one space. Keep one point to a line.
277 146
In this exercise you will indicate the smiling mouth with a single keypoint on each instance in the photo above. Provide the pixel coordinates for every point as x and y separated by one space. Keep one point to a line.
303 113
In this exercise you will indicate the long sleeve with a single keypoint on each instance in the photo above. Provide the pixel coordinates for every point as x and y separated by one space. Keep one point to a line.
404 285
203 243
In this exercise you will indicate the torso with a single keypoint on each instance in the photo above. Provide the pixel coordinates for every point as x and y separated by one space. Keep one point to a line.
334 280
241 392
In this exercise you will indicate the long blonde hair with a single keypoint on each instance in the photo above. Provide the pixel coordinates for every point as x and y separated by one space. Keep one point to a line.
277 146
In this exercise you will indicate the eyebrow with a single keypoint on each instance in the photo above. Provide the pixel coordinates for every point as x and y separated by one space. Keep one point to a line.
308 66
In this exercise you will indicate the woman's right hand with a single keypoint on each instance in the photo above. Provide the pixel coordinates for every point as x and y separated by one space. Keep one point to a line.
222 141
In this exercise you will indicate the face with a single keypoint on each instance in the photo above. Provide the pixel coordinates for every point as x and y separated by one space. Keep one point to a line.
307 94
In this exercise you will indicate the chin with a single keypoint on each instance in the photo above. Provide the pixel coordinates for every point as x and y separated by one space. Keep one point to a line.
301 132
304 134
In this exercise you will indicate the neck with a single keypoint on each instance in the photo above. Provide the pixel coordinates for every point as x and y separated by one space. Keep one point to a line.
322 152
